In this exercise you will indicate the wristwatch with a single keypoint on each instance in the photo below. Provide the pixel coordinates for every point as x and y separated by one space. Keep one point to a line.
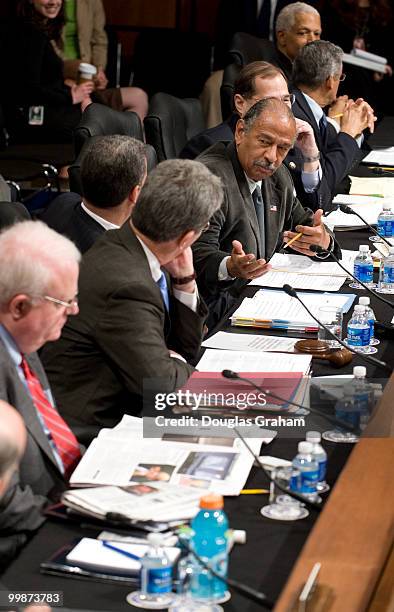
183 280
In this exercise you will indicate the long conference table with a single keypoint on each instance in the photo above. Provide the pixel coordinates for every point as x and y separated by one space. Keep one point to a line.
352 537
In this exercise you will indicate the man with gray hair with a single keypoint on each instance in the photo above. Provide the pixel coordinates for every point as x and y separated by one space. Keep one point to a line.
140 314
317 72
113 170
38 288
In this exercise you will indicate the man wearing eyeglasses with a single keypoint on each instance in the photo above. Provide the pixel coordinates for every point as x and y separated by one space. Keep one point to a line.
317 72
38 288
257 81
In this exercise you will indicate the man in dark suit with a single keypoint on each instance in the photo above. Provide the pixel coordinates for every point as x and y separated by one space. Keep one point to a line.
113 170
140 316
259 204
257 81
317 72
38 280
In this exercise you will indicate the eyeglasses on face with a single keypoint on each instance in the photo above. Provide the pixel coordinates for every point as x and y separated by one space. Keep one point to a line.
341 77
65 304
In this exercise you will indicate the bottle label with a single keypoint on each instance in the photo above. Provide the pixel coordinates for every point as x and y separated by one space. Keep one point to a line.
371 328
358 336
385 227
159 580
388 274
363 272
322 470
305 481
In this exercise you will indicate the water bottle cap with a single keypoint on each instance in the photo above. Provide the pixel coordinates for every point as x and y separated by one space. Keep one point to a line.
364 248
359 308
360 371
364 301
212 501
156 539
305 447
313 436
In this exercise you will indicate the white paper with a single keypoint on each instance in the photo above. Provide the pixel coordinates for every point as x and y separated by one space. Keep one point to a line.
382 184
250 342
366 206
348 58
246 361
380 157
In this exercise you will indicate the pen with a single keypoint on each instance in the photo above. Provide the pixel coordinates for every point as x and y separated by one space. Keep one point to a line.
254 491
336 116
388 168
293 240
371 195
125 553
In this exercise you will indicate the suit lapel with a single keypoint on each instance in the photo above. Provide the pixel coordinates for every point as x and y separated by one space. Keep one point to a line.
246 195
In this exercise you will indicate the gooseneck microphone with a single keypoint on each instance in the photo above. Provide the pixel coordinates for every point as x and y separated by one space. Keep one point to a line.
315 248
343 424
372 360
350 211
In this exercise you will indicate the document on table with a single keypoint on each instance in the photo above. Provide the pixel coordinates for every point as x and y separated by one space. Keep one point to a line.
250 342
381 157
383 185
247 361
302 272
368 207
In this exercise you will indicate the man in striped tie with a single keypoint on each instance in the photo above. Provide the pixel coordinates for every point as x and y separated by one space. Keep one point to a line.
38 291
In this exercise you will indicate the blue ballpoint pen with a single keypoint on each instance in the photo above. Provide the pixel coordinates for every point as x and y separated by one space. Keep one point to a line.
125 553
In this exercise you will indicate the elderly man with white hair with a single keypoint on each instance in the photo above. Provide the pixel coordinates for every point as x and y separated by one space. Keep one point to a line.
38 289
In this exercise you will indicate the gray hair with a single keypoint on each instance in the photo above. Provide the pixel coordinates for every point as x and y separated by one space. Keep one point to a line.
316 62
111 167
266 105
179 195
287 16
31 255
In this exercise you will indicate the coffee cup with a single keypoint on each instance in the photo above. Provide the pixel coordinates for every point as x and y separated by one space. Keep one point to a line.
86 72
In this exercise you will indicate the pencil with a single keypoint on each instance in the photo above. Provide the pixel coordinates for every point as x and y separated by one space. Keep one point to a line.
370 195
254 491
293 240
336 116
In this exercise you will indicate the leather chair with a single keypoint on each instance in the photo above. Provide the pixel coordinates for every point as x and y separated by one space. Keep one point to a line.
12 212
74 170
171 122
230 75
100 120
246 48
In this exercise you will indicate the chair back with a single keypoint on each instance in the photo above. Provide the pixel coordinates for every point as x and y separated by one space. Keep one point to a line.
230 75
100 120
171 122
246 48
12 212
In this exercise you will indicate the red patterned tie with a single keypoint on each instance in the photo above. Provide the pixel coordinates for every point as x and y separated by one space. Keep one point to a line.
66 443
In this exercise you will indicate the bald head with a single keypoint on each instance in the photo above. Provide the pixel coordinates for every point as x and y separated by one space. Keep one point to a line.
12 442
263 138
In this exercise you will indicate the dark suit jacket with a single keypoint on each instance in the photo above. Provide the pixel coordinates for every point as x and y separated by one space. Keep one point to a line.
320 198
121 336
38 477
66 215
339 152
236 219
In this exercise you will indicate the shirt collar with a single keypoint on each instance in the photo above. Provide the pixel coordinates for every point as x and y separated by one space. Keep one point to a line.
317 110
153 262
107 225
10 345
252 184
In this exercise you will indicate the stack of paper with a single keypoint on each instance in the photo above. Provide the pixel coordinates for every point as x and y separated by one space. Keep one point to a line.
382 186
380 157
302 272
246 361
277 310
369 207
250 342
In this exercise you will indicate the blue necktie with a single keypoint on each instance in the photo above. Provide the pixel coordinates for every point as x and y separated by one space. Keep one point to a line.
259 208
162 284
323 127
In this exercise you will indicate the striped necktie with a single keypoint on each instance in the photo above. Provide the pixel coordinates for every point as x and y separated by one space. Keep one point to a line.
64 439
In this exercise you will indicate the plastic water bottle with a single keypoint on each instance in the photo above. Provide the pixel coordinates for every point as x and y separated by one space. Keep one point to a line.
363 267
320 456
209 542
306 474
386 222
358 331
386 274
365 301
156 573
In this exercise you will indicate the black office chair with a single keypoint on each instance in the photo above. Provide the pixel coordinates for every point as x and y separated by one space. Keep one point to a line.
12 212
74 170
100 120
171 122
246 48
230 75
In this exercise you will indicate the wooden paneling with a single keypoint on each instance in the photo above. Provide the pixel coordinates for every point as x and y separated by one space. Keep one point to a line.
141 13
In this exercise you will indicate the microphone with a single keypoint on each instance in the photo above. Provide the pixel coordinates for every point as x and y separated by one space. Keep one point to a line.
235 376
315 248
372 360
350 211
302 498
